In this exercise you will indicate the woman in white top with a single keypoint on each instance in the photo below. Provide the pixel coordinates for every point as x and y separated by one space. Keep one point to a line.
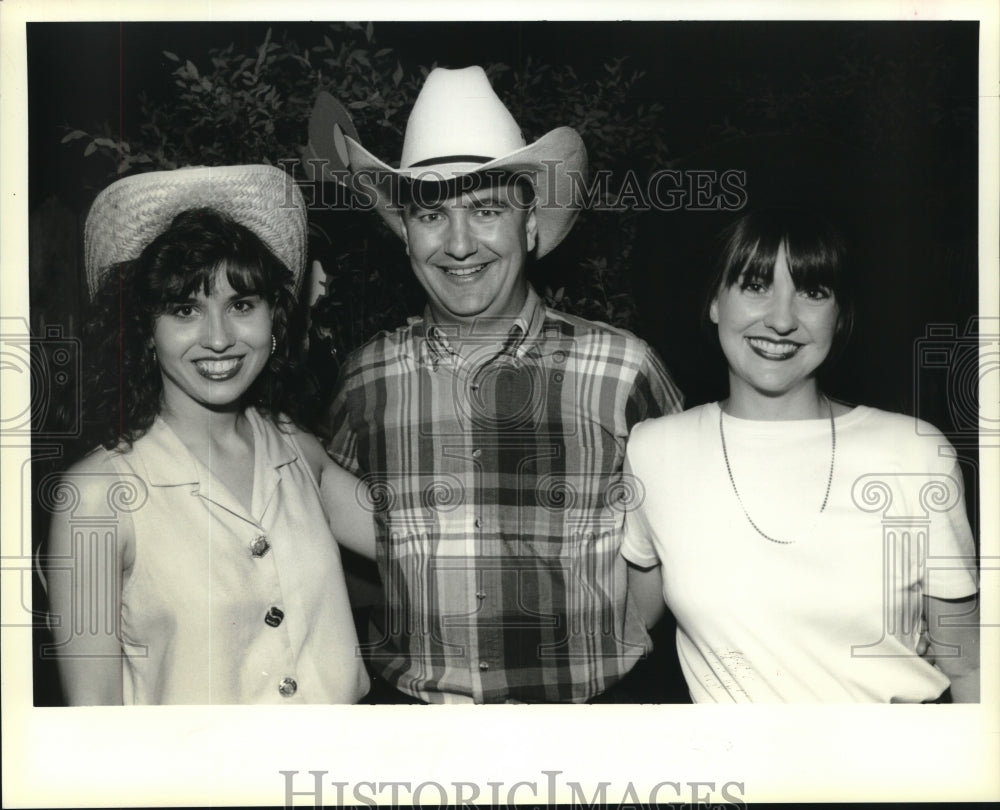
190 559
800 541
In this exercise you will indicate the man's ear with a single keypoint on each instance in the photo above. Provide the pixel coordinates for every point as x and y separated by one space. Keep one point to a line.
713 310
403 233
531 229
315 284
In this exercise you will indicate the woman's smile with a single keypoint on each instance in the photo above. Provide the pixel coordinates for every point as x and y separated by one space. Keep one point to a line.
771 349
219 369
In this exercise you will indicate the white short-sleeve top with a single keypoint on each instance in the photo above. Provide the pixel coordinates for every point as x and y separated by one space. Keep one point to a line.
832 614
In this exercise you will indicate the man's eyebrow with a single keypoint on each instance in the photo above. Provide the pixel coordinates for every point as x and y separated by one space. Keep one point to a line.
419 205
491 201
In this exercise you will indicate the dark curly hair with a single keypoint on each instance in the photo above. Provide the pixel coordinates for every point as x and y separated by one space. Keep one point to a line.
123 386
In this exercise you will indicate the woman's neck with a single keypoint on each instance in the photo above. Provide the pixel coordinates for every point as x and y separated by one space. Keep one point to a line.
223 441
198 426
746 402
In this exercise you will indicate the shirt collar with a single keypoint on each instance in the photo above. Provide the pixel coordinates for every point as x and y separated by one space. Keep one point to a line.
433 343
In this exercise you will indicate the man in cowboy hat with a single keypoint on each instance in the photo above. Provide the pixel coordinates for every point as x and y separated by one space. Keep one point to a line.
492 430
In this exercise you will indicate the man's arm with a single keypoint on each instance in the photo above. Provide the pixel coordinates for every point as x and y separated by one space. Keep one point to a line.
342 444
654 392
646 587
953 627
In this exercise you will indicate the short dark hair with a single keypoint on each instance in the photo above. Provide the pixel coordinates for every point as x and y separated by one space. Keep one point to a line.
747 250
428 193
123 387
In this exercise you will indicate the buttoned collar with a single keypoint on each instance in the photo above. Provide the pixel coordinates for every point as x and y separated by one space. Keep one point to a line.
434 343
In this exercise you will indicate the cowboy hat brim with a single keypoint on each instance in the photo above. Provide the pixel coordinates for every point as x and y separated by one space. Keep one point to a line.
325 155
556 163
133 211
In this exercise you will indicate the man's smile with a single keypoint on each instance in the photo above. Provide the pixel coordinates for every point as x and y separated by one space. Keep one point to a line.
465 270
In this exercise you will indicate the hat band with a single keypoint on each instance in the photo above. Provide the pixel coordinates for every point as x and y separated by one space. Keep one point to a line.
437 161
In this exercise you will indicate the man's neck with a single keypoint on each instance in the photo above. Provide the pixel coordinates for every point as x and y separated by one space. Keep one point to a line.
479 326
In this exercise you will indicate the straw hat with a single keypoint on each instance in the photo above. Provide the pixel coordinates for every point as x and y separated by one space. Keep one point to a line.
133 211
458 126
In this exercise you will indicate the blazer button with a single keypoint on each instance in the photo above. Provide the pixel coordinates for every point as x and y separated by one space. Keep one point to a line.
287 687
274 617
259 547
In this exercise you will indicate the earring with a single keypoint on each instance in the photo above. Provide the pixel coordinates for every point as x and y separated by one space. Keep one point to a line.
274 344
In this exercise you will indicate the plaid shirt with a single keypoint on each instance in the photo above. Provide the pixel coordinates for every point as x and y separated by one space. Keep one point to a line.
494 462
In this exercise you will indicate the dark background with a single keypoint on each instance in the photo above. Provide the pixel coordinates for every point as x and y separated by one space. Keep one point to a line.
875 120
897 102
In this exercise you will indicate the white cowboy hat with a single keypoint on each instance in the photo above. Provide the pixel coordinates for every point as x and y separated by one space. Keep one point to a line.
133 211
459 126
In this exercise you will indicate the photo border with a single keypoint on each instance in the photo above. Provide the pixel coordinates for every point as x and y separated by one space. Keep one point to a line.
218 755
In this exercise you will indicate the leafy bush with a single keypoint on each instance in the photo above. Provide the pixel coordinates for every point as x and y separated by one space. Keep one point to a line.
253 106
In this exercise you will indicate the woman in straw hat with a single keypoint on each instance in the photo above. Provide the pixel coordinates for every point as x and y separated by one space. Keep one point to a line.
780 514
218 577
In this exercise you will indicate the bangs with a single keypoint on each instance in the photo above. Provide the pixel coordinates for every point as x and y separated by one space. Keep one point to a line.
752 261
199 244
816 262
814 250
245 279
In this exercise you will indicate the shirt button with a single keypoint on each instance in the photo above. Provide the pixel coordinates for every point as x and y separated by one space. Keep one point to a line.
479 523
274 617
474 387
259 547
483 666
287 687
477 453
480 595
